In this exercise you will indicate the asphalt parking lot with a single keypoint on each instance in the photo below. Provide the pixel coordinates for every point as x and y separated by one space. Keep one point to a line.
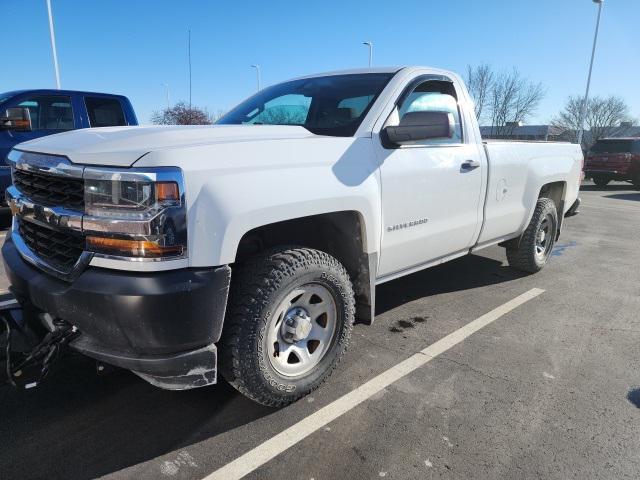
551 389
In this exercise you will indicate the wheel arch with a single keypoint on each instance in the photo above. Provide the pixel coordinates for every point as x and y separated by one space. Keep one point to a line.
555 191
342 234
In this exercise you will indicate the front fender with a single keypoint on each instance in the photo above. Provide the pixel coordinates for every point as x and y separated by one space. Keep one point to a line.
232 188
223 214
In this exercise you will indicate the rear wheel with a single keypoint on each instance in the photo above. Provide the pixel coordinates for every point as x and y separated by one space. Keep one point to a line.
288 324
636 181
533 249
601 181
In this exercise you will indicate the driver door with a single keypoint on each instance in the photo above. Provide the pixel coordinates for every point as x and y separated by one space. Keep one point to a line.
431 189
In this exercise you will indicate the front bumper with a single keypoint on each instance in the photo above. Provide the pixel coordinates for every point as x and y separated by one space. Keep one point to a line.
161 325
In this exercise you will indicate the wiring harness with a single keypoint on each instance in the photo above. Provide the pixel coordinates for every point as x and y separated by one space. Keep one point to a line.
34 367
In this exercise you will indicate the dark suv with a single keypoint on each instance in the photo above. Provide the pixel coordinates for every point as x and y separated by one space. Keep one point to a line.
614 159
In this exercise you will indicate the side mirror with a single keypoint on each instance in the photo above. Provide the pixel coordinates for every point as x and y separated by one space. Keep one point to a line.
416 126
17 119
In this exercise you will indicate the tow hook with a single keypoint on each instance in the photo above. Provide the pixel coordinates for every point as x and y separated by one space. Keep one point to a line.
28 366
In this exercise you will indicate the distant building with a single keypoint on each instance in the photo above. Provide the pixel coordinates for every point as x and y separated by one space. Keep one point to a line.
550 133
546 133
626 129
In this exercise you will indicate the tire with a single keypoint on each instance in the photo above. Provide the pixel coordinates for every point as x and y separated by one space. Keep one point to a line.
267 324
601 181
533 250
636 182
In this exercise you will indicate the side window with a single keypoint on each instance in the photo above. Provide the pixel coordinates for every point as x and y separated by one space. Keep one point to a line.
435 96
50 112
290 109
104 112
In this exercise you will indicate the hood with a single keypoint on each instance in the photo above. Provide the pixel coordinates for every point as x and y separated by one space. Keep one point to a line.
123 146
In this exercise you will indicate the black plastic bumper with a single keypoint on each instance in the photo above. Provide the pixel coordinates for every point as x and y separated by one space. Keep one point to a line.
161 325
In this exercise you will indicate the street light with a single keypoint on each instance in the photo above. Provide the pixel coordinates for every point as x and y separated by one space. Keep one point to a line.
370 45
52 33
257 67
585 101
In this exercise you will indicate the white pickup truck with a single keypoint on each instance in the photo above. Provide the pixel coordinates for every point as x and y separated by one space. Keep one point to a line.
255 243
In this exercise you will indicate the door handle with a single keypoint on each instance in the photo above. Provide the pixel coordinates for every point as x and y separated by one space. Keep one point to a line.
468 165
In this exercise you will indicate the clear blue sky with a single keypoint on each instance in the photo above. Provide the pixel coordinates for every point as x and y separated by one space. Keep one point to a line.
133 46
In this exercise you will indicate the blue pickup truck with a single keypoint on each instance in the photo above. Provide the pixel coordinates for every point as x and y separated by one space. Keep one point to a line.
29 114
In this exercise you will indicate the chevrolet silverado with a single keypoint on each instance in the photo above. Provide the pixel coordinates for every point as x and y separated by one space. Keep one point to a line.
250 247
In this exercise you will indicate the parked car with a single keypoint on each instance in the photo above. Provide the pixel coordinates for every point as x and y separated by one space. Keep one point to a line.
614 159
258 241
30 114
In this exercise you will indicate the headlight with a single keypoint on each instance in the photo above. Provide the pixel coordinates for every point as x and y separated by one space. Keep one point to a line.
134 199
138 214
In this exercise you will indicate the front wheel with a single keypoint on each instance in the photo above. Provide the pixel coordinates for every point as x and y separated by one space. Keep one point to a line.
533 250
288 323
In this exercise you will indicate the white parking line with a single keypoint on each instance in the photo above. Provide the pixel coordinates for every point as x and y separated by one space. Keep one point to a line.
260 455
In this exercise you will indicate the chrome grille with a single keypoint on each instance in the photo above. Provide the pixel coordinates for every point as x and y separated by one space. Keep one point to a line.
50 190
60 249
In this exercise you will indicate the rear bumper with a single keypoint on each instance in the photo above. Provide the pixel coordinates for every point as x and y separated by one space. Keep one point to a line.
617 173
161 325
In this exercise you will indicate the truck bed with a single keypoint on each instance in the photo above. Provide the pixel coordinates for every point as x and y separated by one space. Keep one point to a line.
514 167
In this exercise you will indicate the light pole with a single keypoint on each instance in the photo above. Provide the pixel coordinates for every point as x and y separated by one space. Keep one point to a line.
52 33
585 101
166 87
370 45
257 67
190 112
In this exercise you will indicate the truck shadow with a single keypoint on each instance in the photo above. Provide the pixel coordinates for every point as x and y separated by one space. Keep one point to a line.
635 197
470 271
80 425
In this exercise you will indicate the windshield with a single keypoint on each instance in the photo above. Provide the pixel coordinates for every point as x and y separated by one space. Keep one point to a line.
334 105
616 146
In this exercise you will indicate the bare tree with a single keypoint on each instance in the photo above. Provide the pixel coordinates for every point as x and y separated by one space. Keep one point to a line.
604 116
568 120
182 114
512 99
602 119
480 80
